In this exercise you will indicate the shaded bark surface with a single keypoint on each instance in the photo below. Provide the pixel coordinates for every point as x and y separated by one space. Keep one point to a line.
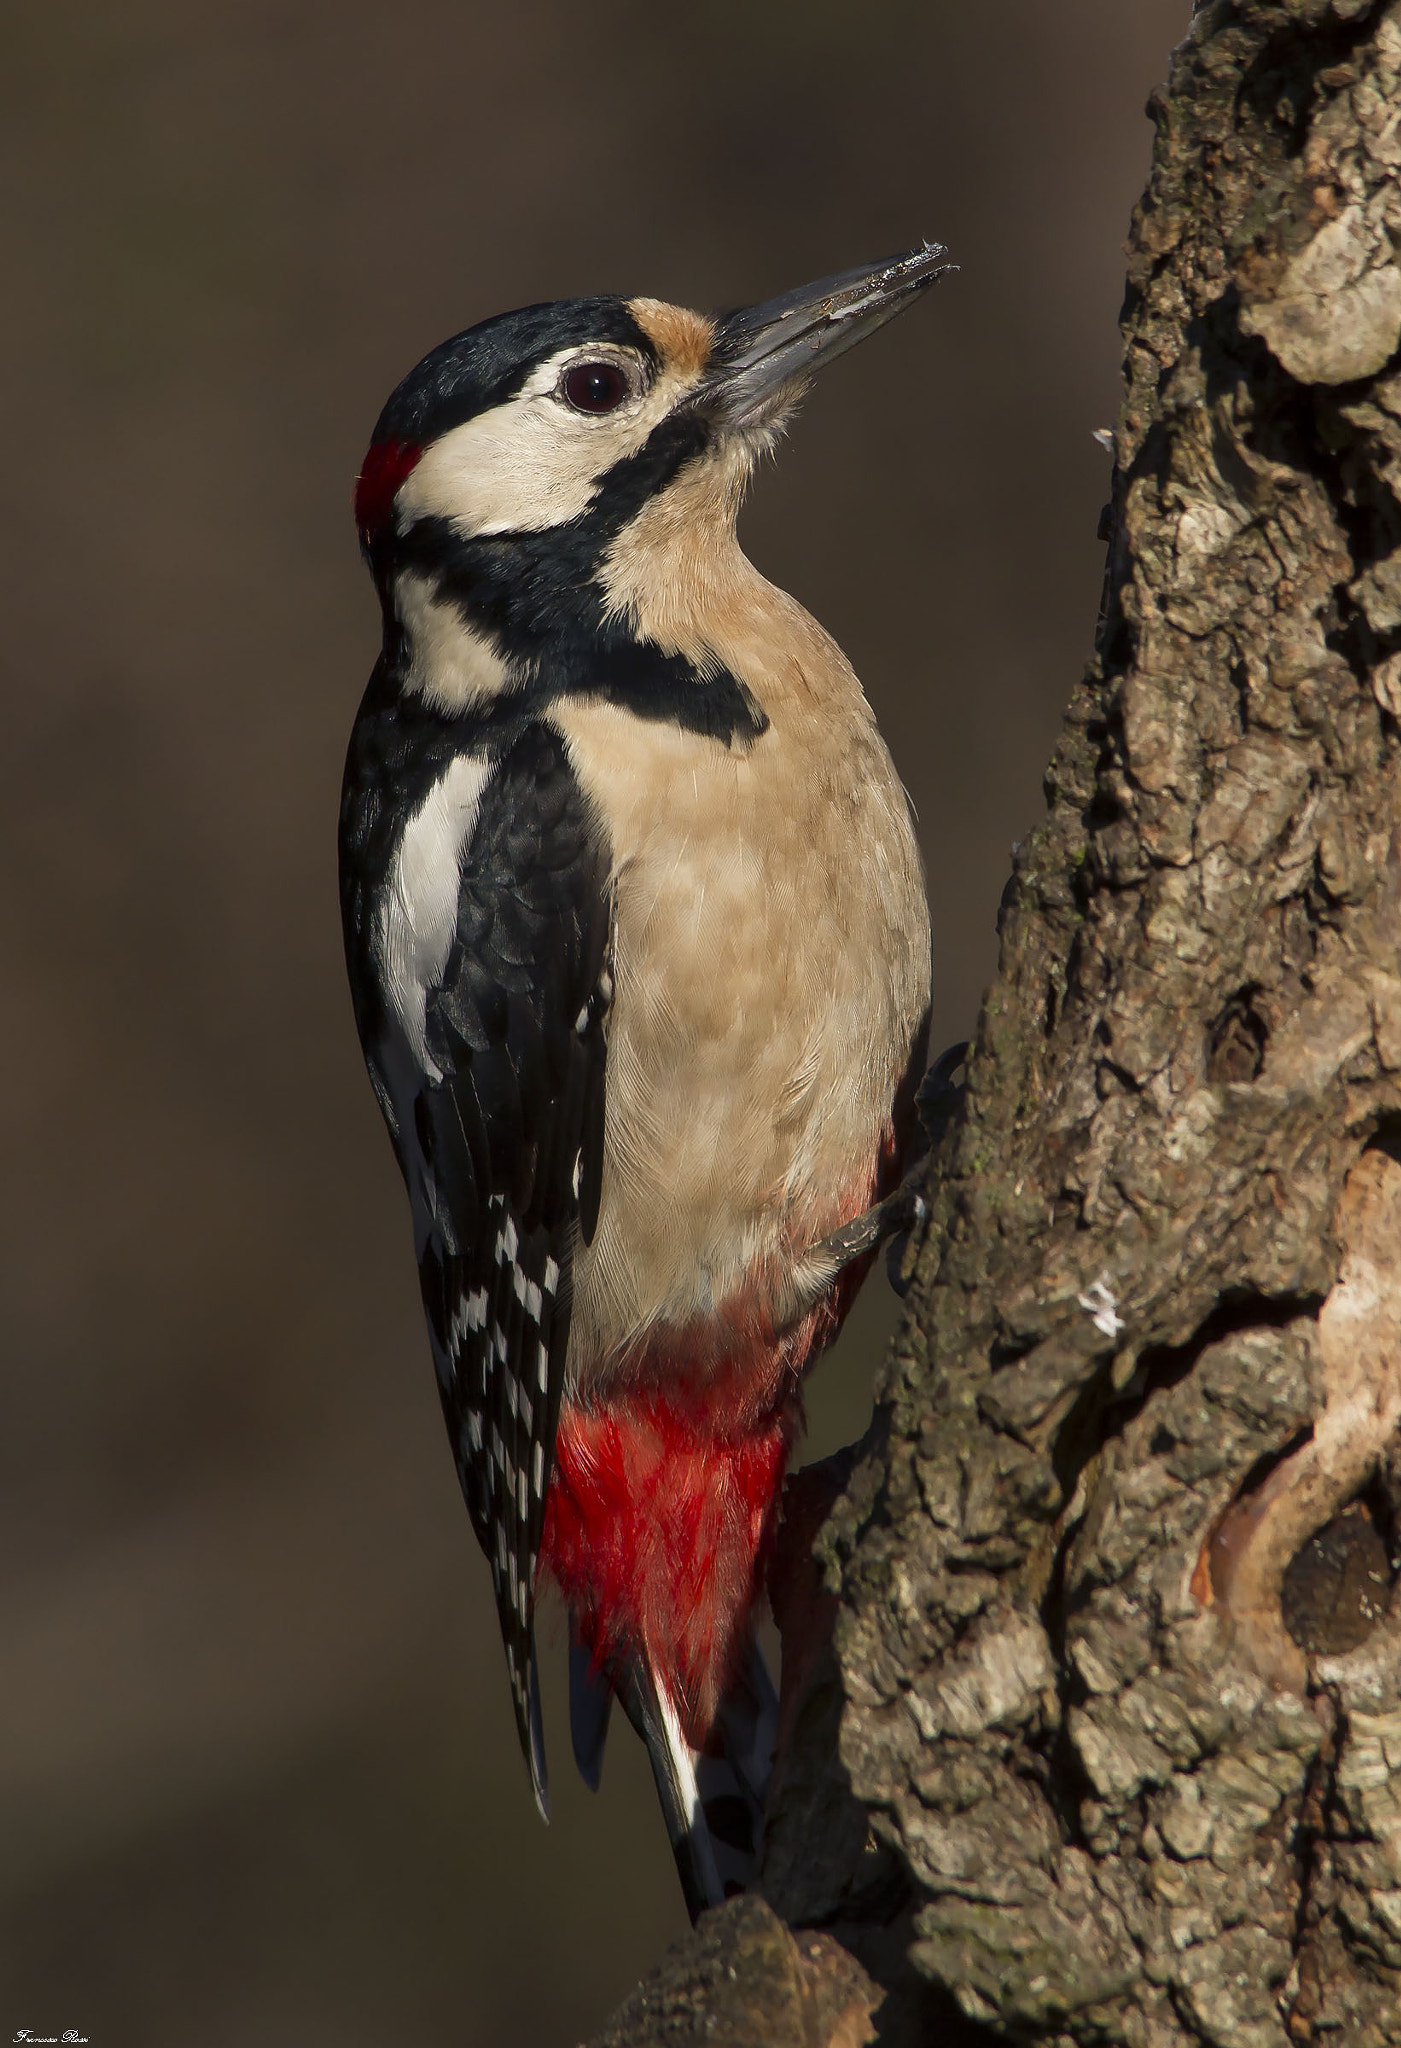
1107 1747
744 1979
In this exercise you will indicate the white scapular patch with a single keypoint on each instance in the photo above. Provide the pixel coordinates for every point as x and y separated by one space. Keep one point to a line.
534 462
451 665
419 914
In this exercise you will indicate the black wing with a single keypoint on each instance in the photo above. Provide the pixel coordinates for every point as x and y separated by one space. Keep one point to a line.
511 1145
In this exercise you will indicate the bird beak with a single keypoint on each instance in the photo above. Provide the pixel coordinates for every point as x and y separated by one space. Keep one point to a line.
770 349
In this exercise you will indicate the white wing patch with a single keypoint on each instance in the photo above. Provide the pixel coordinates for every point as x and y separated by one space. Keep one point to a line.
419 915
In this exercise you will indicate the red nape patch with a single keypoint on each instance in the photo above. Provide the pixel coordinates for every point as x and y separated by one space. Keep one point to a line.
657 1530
381 473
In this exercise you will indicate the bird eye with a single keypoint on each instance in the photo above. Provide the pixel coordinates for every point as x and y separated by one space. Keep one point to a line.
595 387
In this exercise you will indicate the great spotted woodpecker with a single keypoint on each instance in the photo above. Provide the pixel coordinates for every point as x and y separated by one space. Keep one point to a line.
639 951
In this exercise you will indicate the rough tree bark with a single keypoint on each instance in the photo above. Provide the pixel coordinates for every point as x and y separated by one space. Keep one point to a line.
1107 1746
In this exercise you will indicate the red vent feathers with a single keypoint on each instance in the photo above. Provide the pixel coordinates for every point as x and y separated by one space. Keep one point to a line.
657 1532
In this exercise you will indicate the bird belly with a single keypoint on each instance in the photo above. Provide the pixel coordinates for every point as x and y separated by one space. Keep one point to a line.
770 976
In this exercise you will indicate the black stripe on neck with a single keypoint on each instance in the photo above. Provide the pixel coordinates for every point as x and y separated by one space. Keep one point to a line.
537 599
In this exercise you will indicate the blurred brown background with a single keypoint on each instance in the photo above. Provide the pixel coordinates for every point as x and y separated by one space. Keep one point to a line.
258 1780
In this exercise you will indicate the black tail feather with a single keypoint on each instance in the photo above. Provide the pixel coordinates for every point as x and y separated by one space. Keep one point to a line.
713 1800
590 1703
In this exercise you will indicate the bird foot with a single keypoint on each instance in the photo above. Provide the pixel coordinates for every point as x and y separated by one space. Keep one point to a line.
814 1270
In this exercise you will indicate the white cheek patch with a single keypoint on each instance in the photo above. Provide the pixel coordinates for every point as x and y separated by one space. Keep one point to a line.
419 913
451 665
531 463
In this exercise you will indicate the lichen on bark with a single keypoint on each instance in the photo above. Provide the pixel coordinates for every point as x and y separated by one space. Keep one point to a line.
1069 1767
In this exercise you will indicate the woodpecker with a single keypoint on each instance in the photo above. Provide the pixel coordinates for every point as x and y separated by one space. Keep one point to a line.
639 951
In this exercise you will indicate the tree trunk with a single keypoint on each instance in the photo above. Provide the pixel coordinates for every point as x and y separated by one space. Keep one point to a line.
1107 1748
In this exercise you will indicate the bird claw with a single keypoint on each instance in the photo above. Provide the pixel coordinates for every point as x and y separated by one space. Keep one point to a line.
937 1098
915 1218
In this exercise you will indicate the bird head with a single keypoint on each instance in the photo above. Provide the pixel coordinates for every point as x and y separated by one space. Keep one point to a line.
509 469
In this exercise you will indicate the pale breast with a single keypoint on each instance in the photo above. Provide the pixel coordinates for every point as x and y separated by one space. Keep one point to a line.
771 971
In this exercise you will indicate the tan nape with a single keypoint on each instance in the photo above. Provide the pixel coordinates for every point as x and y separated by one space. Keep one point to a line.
682 338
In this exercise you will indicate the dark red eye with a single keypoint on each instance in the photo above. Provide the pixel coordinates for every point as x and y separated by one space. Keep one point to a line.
595 387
